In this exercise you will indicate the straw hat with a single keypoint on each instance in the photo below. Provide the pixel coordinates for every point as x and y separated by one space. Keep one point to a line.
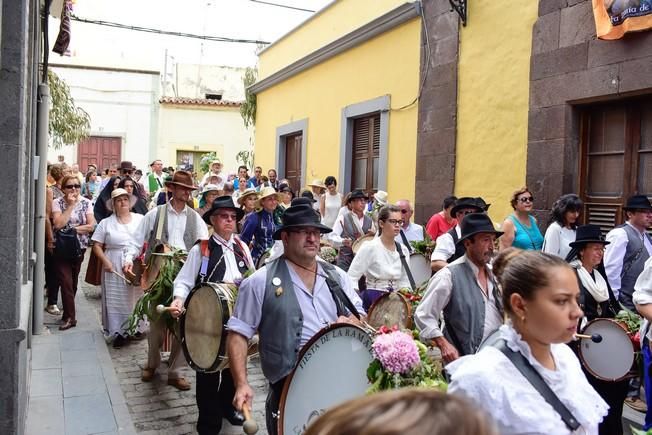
119 192
247 192
317 183
381 197
266 193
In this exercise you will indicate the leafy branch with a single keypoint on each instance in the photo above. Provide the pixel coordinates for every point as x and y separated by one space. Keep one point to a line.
69 124
248 107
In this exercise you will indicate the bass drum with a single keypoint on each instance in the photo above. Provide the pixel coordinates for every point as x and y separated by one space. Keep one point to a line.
612 358
389 310
331 369
420 268
355 247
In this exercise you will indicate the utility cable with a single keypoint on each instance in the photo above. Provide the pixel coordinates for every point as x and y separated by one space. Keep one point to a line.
282 6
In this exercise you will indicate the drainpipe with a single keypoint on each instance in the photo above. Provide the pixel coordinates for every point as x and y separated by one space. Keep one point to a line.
43 115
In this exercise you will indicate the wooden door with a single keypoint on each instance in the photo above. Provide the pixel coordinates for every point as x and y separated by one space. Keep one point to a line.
616 150
293 161
366 153
100 151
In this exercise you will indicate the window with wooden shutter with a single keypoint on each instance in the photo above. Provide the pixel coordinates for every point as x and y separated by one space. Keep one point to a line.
616 150
366 153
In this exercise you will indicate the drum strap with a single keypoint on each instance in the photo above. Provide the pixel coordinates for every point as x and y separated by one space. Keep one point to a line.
340 298
405 241
406 266
535 379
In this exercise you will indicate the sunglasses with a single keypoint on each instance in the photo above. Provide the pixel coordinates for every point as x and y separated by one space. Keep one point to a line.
527 199
73 186
404 211
227 216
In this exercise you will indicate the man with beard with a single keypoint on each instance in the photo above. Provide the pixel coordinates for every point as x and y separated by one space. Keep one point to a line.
467 293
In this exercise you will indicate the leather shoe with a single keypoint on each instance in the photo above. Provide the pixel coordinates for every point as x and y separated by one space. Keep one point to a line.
179 384
147 374
234 417
67 324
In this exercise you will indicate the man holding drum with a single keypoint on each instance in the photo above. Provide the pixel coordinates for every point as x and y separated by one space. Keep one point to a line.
466 292
228 260
288 301
179 226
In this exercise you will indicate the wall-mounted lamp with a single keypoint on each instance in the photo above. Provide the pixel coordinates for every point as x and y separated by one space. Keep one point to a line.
460 7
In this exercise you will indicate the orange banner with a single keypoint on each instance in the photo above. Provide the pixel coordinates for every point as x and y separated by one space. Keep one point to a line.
614 18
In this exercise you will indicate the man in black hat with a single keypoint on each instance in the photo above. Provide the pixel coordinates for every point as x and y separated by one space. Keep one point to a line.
227 260
467 293
630 247
350 226
287 301
447 249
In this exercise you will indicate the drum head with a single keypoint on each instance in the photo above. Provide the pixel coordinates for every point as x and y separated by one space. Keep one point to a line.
331 369
207 311
420 268
389 310
355 247
612 358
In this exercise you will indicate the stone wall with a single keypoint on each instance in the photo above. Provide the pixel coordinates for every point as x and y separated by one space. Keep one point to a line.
436 136
570 67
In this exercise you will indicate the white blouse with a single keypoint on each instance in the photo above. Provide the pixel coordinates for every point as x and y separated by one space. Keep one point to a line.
558 239
490 380
382 267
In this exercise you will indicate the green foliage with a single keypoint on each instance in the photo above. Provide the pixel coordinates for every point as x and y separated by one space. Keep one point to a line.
205 161
248 107
69 124
245 158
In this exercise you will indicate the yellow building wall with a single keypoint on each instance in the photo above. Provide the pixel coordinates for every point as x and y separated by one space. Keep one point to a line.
332 22
494 80
385 65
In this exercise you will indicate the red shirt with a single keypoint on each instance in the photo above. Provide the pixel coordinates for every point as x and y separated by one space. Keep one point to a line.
437 225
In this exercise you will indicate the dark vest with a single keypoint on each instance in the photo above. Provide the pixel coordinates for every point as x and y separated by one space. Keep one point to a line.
635 256
350 231
282 321
216 250
190 234
464 313
459 247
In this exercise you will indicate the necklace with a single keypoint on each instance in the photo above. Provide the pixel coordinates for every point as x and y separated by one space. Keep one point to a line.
305 268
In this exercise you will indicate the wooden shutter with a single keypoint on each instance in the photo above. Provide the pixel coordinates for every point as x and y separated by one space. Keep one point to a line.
366 153
293 161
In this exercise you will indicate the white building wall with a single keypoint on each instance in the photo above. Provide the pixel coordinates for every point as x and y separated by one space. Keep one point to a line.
203 129
120 103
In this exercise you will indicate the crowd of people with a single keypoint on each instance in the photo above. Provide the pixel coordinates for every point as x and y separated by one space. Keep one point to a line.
483 311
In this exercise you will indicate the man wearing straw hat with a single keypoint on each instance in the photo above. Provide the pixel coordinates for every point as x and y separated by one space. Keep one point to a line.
214 170
178 226
260 226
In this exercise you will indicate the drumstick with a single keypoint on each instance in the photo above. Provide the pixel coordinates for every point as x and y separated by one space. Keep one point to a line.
596 338
162 309
250 426
121 276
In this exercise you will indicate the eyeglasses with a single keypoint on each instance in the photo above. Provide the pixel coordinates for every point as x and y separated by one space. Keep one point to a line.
227 216
404 211
307 232
73 186
395 221
526 199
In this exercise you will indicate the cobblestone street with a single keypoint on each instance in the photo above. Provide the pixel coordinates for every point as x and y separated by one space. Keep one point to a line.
155 407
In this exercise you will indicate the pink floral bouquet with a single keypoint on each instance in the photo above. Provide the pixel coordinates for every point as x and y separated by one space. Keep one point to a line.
400 361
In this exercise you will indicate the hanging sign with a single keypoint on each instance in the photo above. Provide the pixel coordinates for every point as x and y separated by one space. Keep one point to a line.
614 18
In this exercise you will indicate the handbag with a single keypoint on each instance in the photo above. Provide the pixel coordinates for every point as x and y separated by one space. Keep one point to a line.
67 244
94 270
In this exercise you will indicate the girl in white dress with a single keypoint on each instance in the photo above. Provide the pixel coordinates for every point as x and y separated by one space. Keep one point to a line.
111 237
330 202
540 295
564 218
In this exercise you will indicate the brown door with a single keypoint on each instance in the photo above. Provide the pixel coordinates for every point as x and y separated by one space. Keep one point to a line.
100 151
366 153
293 161
616 147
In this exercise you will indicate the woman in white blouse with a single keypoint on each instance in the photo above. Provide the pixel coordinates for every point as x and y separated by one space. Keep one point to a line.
379 260
540 296
564 218
330 202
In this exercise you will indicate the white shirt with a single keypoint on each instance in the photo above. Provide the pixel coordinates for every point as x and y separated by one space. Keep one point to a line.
176 223
428 314
381 267
332 207
643 294
185 280
445 246
615 254
489 380
557 240
335 236
207 175
413 233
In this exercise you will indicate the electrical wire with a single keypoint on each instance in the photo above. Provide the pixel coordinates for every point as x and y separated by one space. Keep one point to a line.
282 6
166 32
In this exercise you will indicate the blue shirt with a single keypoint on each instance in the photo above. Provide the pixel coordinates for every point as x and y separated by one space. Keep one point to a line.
317 307
259 228
527 237
236 183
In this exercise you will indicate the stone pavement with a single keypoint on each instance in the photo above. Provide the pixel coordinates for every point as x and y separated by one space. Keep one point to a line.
78 379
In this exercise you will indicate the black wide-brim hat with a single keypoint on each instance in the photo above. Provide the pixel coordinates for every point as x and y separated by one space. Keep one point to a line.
465 202
223 203
475 223
638 202
355 195
587 234
300 216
